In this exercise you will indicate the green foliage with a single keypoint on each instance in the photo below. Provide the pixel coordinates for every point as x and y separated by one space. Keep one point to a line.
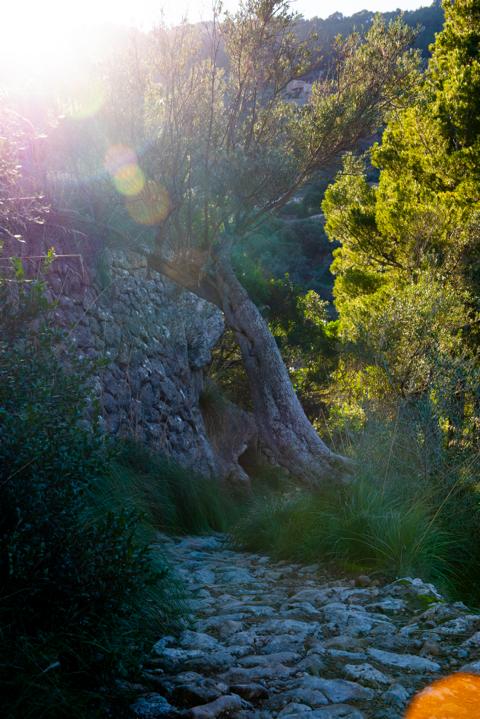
357 529
406 289
407 278
408 511
80 595
455 75
169 497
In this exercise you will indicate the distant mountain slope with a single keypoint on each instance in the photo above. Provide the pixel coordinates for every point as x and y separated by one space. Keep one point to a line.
428 19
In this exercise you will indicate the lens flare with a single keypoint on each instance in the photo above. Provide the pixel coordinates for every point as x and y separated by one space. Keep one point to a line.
117 156
89 98
454 697
121 163
129 180
151 205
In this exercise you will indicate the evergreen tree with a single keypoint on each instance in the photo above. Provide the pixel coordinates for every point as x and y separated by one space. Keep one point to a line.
407 269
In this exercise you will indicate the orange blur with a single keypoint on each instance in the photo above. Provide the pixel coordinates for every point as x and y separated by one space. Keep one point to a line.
454 697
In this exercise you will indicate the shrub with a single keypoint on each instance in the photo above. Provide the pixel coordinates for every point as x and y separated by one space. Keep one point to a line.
80 594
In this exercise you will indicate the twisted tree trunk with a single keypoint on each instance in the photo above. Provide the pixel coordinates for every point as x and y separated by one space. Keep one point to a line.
281 422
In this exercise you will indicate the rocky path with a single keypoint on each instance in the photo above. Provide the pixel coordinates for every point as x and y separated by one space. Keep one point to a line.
274 639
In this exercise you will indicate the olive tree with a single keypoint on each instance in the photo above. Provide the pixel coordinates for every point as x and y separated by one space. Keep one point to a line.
229 149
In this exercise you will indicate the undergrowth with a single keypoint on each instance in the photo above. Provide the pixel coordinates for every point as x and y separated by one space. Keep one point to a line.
169 497
82 594
355 529
409 510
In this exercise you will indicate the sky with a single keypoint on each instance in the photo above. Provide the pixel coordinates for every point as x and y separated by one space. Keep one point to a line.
48 13
41 38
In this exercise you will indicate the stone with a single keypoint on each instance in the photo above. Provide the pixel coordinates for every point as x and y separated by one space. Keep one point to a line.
460 627
204 576
173 657
339 691
241 675
362 581
293 710
305 695
222 705
229 629
312 663
353 620
151 706
214 661
157 340
311 595
344 642
368 651
340 655
309 569
283 643
390 605
366 674
231 430
198 640
288 626
432 648
159 647
471 668
472 642
268 659
251 692
338 711
305 609
246 638
237 576
407 662
414 587
191 688
396 696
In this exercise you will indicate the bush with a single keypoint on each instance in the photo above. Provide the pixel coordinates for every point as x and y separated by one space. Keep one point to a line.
80 595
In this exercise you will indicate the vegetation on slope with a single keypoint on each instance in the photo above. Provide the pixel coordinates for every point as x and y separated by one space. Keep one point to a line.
390 374
406 292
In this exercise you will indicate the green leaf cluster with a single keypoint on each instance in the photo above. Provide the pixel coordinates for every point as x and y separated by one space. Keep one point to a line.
407 268
80 596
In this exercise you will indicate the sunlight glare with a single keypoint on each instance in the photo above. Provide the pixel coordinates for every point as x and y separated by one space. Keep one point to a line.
453 697
121 163
151 206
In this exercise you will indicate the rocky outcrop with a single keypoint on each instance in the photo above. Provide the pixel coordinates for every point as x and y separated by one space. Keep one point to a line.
275 639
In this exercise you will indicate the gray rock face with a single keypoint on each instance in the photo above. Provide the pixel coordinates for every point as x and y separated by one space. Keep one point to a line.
255 649
154 341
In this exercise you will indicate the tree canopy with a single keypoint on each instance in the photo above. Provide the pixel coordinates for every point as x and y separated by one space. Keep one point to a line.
407 269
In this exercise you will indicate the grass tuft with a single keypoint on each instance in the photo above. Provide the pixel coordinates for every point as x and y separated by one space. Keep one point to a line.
169 497
359 528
